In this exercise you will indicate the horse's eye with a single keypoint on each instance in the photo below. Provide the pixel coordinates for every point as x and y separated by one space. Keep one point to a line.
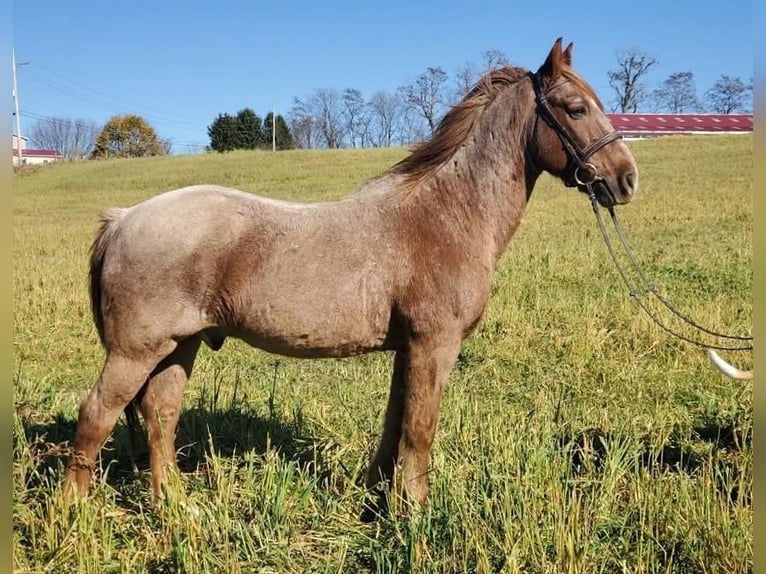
577 112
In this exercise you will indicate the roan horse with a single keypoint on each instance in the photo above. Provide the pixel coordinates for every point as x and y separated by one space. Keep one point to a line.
404 264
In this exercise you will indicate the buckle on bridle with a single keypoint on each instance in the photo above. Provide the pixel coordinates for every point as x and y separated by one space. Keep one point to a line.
585 169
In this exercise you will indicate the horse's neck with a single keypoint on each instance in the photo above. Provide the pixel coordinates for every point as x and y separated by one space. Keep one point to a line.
486 185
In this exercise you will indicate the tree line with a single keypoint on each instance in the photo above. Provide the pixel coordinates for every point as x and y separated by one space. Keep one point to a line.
122 136
331 118
246 130
677 93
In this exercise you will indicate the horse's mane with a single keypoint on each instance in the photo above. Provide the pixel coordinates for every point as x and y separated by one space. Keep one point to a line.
453 129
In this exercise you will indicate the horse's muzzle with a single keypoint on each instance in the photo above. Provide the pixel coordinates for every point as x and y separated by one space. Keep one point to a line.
611 192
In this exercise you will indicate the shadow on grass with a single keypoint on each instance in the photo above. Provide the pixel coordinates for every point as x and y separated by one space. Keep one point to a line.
227 433
717 446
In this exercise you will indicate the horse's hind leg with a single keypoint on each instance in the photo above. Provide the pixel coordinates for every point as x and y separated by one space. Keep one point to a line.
121 378
161 407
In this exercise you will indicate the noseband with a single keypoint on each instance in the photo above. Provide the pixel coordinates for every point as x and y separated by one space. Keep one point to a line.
579 171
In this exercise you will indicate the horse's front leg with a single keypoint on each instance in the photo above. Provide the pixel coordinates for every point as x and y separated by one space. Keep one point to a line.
420 371
381 472
429 365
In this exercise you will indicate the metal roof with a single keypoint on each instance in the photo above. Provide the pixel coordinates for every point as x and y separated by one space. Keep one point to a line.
661 124
38 153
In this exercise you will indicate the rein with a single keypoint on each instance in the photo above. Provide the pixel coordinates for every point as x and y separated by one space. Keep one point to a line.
581 172
650 289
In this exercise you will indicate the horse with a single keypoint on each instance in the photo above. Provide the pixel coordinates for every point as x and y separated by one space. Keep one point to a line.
403 264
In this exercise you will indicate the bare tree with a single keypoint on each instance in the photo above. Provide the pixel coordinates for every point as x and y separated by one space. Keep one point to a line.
427 95
467 76
730 95
411 127
626 79
677 94
465 79
493 59
357 116
386 114
72 138
327 108
302 125
167 145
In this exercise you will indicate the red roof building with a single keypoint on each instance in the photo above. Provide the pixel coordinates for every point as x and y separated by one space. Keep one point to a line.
32 156
647 125
38 155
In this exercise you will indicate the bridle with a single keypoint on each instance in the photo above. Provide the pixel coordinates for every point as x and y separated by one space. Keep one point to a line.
579 171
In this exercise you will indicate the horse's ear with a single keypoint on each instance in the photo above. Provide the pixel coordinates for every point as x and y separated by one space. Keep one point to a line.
567 56
551 68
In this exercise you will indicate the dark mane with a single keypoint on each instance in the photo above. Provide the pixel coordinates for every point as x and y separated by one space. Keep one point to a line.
455 126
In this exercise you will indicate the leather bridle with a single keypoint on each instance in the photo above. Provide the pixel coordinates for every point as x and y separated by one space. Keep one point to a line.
579 171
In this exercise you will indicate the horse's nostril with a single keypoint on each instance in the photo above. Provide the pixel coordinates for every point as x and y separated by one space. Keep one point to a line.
629 182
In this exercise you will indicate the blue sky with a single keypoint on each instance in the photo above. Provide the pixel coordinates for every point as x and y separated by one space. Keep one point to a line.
181 63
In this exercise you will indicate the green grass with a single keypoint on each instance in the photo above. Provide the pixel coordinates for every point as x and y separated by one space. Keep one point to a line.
575 435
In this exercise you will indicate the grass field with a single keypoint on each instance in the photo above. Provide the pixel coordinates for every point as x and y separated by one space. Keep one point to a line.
575 435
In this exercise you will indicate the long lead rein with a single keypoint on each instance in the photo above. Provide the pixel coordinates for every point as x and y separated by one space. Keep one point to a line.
649 288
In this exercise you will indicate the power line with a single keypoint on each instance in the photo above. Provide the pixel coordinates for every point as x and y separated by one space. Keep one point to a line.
106 101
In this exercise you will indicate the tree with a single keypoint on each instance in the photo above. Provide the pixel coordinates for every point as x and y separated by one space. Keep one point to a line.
250 129
494 59
357 116
224 133
128 136
410 127
465 79
626 79
385 117
326 107
677 94
243 131
467 76
72 138
318 121
427 95
302 124
729 95
282 137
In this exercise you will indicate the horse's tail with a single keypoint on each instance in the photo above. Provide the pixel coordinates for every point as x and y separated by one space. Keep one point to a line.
104 237
109 220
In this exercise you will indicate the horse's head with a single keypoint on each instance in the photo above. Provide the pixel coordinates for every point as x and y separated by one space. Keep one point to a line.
571 136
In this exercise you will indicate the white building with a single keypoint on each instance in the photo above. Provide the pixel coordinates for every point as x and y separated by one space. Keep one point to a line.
32 156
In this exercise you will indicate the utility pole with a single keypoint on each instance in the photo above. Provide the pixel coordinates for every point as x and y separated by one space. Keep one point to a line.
274 128
16 104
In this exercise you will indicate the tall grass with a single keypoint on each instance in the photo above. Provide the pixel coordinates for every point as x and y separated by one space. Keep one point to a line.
575 435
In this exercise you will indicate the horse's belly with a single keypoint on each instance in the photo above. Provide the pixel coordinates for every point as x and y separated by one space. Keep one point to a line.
310 328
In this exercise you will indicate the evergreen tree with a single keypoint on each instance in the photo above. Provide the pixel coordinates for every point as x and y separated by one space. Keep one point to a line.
283 137
250 130
224 133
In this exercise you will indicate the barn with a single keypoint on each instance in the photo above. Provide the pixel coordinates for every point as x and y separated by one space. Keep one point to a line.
649 125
